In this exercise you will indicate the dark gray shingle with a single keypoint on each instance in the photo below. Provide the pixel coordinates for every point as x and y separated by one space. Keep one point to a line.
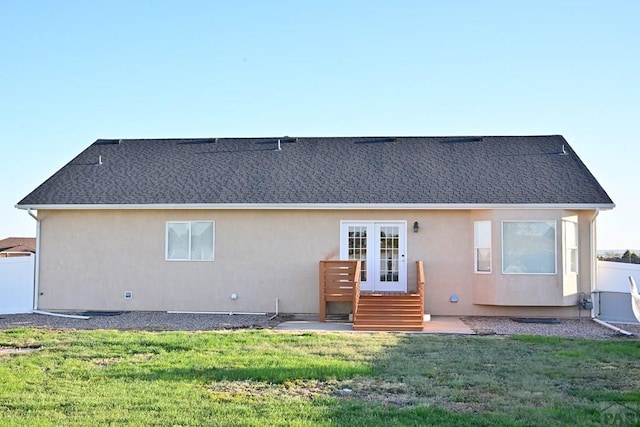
371 170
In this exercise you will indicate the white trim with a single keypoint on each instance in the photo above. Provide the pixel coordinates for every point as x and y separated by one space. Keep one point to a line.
36 272
190 223
321 206
36 264
555 246
566 259
593 260
371 264
476 247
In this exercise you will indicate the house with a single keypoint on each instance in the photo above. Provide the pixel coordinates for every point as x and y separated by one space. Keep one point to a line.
17 246
504 225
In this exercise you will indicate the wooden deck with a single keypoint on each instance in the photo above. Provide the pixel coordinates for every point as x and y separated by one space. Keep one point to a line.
372 311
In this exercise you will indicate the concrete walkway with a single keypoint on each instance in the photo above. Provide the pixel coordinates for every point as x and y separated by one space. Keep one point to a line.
437 325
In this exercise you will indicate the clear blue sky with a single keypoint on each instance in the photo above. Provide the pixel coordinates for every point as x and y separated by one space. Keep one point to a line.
75 71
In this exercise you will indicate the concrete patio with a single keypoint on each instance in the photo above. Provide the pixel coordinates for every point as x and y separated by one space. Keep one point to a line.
437 325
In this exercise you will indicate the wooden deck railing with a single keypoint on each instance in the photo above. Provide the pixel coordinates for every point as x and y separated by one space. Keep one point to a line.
420 281
339 281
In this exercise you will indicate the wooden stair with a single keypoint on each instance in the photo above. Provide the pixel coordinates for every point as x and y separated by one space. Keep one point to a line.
389 312
372 311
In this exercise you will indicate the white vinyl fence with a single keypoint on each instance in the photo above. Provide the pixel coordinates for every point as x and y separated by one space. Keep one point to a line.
613 299
16 284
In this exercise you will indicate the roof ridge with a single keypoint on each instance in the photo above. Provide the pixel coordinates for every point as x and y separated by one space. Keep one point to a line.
330 137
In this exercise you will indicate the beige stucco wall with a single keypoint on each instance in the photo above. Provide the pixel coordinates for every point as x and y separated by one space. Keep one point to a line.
88 259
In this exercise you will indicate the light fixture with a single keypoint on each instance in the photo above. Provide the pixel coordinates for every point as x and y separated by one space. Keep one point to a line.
416 227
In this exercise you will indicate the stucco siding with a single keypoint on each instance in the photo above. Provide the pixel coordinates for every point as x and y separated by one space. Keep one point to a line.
89 258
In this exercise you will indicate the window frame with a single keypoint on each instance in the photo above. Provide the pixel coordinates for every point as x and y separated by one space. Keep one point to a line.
190 225
567 250
555 247
477 247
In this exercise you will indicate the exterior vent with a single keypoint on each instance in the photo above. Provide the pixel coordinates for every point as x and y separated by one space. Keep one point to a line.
377 140
108 142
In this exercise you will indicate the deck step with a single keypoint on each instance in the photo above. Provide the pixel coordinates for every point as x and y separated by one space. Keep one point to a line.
389 312
398 317
387 327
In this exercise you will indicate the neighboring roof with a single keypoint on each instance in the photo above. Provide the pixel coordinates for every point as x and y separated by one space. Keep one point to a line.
490 170
18 244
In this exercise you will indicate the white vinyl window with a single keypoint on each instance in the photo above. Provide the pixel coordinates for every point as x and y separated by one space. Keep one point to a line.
482 246
190 241
571 247
529 247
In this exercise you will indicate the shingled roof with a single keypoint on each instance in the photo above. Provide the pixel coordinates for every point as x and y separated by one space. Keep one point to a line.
18 245
490 170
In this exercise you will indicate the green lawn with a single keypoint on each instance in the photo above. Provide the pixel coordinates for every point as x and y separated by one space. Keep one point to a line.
261 378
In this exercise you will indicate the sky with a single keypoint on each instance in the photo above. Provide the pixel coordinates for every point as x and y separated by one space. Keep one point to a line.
72 72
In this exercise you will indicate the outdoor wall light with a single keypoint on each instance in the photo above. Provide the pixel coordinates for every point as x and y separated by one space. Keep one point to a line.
234 296
416 227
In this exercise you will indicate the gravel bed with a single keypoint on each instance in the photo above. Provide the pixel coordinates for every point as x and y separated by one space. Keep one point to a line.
148 321
570 328
163 321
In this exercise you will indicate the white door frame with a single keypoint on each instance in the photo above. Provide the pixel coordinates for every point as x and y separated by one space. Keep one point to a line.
372 270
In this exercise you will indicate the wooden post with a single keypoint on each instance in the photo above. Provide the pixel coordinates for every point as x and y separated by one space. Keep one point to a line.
420 276
323 303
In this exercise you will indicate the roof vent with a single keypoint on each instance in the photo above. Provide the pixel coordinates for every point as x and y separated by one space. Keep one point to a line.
563 152
461 140
376 140
108 142
284 140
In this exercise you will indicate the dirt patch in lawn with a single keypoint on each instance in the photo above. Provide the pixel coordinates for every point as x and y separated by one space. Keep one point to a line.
396 394
302 389
6 351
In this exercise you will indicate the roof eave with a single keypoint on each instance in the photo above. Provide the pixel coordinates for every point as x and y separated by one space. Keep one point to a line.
322 206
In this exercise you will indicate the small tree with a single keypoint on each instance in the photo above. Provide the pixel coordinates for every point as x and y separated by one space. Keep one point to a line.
630 257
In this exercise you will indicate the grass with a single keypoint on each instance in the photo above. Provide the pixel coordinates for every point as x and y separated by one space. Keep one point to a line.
248 378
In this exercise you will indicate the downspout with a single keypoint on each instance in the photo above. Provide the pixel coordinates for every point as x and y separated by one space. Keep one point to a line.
594 262
615 328
36 264
277 311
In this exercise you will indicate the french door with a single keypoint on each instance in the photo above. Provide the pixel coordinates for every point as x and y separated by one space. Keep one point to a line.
381 248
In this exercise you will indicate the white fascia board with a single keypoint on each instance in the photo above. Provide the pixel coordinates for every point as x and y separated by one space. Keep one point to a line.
319 206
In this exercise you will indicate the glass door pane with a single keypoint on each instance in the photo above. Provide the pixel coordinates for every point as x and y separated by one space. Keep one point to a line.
357 242
389 253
